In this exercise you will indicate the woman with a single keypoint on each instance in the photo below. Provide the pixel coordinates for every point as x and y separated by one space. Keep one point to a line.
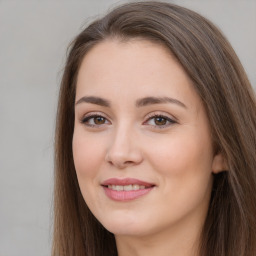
155 139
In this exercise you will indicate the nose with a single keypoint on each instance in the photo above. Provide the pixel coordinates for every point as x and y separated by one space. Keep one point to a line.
124 150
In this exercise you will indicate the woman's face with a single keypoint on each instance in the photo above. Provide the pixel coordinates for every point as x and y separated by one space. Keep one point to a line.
142 145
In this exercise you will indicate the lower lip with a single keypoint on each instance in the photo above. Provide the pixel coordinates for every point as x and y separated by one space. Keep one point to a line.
126 195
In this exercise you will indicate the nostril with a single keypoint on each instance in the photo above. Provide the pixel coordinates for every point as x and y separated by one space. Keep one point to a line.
128 162
121 158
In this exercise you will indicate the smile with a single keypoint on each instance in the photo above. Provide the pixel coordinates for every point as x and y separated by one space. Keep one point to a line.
126 189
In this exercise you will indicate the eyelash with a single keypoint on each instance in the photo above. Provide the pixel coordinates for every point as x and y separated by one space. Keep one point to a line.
170 121
87 118
153 116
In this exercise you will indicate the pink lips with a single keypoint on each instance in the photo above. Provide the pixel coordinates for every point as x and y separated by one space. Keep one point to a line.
142 188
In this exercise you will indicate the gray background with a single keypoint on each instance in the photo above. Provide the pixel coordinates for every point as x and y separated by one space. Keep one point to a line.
33 40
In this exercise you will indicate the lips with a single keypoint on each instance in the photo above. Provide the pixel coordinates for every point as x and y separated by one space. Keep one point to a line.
126 189
126 181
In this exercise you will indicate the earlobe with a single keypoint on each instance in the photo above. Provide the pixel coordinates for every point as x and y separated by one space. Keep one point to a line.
219 163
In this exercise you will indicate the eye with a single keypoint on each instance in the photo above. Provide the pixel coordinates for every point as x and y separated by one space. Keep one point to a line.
160 121
94 120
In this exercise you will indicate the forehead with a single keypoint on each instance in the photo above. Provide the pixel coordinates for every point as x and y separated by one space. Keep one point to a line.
136 68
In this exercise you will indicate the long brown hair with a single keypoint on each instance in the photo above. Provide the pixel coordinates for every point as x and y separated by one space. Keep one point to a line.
220 81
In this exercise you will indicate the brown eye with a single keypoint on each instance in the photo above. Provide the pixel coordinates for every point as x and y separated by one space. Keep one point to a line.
160 120
98 120
95 120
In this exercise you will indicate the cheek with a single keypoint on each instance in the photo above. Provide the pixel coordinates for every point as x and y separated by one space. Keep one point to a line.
88 155
184 168
184 163
183 152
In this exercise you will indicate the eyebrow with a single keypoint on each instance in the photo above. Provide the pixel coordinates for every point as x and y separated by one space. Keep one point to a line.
94 100
139 103
158 100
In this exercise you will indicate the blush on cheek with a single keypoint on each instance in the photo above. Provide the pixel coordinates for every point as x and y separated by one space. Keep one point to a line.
87 157
170 156
183 156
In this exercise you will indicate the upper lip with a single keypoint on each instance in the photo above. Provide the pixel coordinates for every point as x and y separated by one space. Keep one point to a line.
126 181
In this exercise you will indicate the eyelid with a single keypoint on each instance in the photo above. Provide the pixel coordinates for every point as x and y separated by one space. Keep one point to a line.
91 115
168 117
94 113
161 113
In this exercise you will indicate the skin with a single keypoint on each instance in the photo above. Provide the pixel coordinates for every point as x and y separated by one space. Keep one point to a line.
128 142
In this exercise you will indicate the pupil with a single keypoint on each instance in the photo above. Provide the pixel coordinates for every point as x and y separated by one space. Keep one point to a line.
99 120
160 121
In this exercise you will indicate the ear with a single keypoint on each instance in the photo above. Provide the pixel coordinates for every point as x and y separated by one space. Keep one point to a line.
219 163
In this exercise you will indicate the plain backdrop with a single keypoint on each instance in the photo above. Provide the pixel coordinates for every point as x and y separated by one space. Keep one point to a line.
34 36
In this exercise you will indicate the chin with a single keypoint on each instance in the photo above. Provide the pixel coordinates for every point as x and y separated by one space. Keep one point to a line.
124 226
124 231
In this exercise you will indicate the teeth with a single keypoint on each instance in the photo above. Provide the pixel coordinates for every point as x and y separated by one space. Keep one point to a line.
126 187
136 187
119 188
